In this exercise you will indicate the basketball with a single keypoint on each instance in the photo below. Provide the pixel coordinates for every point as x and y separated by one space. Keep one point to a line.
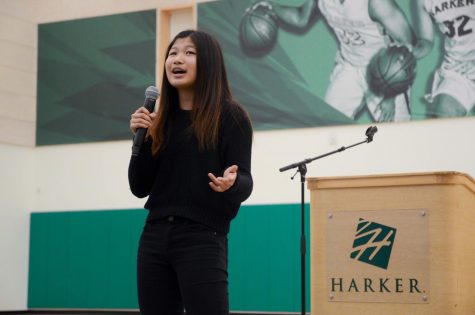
258 30
391 71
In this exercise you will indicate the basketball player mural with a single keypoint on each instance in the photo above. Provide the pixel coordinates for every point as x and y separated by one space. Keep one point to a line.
453 86
363 28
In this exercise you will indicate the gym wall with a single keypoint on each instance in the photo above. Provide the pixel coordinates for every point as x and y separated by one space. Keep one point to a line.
76 196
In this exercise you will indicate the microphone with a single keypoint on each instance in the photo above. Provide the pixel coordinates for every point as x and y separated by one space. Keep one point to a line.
151 95
370 133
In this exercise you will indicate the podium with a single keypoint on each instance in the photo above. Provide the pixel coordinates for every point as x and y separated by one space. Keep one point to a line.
392 244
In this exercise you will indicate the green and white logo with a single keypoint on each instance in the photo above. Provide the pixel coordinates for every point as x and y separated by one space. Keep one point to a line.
373 243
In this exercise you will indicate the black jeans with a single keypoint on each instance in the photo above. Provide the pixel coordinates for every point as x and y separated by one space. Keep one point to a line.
181 265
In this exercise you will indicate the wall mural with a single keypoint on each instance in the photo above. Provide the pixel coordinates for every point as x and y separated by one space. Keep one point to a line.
92 73
327 62
292 64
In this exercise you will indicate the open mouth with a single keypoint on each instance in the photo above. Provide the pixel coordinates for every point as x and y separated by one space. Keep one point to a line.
178 71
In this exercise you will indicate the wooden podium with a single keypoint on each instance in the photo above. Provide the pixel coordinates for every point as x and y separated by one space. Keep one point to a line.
393 244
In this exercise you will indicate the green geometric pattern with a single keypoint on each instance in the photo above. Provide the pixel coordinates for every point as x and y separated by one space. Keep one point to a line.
92 74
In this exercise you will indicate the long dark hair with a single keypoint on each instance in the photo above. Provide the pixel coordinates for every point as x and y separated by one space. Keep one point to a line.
211 92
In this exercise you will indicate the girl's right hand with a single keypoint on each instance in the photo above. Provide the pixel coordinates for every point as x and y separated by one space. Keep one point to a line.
141 118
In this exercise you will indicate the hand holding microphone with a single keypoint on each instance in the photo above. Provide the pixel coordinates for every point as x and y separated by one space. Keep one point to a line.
142 119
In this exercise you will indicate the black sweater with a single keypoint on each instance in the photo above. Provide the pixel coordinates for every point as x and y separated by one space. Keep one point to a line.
177 181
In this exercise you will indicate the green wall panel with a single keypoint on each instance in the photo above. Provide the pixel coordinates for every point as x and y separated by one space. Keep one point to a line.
87 259
83 259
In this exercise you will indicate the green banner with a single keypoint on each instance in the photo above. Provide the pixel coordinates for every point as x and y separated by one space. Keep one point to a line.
92 74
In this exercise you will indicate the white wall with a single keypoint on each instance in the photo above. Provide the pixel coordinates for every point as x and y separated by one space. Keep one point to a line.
94 176
17 79
100 169
16 192
17 126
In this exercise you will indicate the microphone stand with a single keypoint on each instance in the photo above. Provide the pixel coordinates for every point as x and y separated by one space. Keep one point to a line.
302 169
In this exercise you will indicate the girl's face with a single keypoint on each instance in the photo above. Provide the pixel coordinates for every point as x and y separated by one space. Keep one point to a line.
180 65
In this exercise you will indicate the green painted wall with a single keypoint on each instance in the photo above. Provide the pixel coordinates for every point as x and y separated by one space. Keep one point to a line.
86 259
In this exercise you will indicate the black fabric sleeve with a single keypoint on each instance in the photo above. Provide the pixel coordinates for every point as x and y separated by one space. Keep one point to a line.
142 171
236 150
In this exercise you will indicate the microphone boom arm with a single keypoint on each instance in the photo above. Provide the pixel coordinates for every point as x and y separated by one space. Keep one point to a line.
369 137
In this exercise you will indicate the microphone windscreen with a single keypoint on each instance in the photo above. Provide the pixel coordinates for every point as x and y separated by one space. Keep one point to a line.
152 92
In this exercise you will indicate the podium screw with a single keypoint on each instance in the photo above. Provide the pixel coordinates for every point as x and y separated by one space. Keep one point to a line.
330 215
423 213
331 296
424 298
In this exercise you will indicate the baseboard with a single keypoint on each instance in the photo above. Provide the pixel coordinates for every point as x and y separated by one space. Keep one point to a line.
120 312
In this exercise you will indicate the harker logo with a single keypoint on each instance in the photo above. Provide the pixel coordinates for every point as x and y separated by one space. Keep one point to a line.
373 243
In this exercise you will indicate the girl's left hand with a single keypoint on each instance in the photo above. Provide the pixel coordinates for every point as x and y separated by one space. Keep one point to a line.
220 184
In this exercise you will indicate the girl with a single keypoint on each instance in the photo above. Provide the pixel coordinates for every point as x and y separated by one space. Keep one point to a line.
195 168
